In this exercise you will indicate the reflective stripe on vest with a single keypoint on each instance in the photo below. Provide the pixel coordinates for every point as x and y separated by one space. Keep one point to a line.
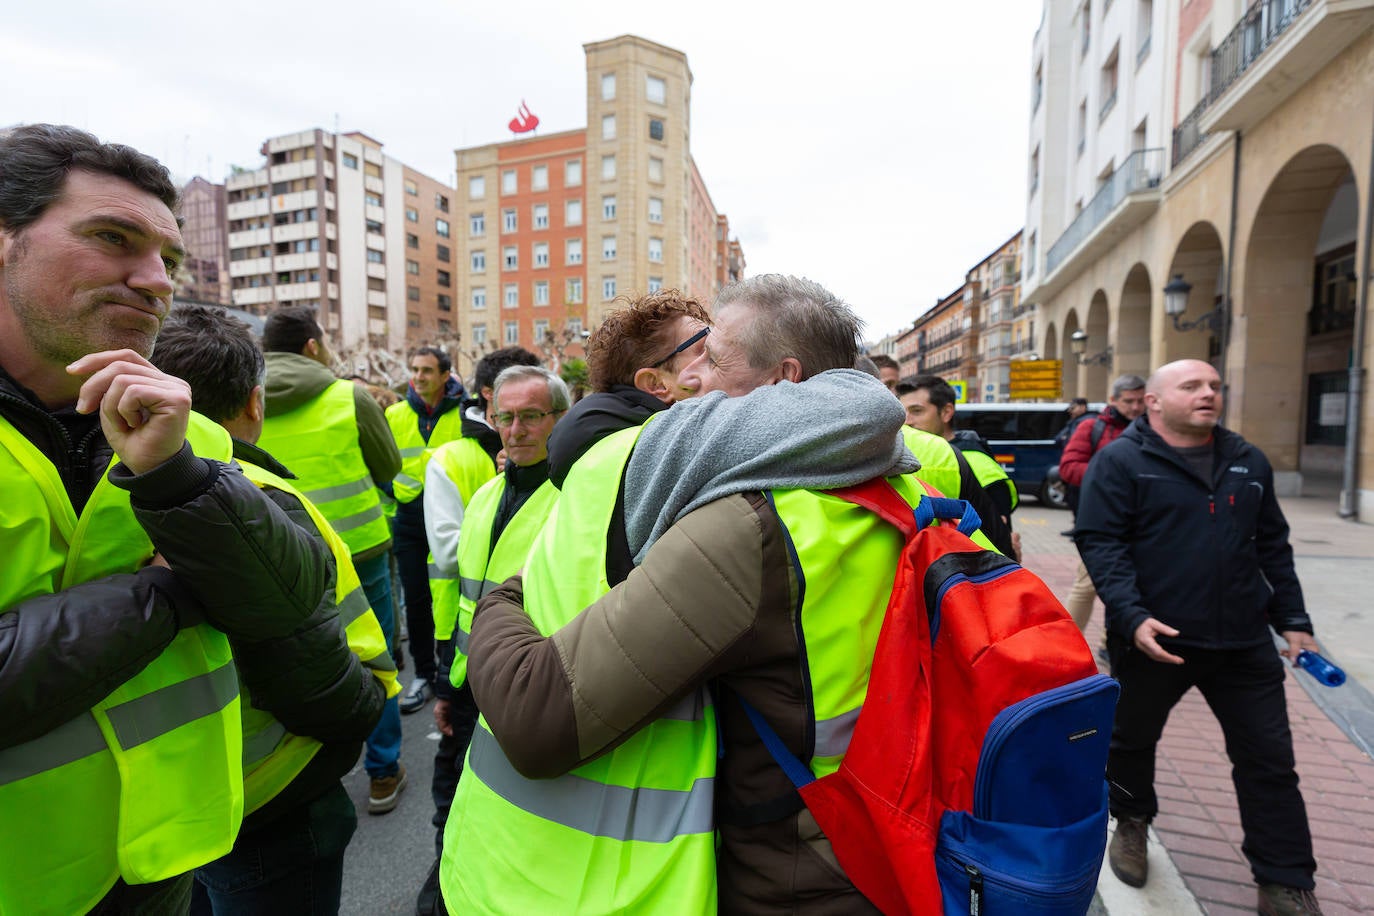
615 812
135 722
468 466
415 451
841 613
273 756
151 773
505 560
631 831
319 442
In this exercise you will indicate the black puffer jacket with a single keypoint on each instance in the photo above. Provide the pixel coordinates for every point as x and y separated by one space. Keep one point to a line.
309 679
240 563
1210 558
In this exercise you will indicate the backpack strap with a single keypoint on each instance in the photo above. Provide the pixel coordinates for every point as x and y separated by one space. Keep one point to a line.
878 496
1095 434
798 772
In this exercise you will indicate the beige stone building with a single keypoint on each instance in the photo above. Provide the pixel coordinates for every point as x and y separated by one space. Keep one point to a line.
1256 202
946 339
555 228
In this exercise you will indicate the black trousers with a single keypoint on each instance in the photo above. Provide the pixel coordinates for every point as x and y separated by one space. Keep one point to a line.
448 759
412 563
1244 688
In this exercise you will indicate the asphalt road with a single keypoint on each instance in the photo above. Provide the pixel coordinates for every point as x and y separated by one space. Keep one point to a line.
391 854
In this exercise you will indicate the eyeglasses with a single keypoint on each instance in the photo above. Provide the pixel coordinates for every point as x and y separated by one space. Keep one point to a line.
527 417
682 346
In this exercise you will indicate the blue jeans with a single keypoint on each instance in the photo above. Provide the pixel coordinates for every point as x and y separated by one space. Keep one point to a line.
384 744
293 864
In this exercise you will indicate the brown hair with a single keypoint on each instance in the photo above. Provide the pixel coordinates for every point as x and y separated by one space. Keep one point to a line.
635 337
36 159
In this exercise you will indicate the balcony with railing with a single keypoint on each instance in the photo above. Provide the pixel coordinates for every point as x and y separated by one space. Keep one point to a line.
1188 135
1125 200
1275 48
935 340
940 368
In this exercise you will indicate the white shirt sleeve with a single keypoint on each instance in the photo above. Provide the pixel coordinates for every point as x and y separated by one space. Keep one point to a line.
443 518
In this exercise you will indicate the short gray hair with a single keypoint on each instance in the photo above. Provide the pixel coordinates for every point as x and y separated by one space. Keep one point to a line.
1126 383
794 317
559 398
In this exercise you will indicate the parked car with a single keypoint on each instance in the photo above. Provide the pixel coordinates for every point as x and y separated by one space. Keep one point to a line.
1022 438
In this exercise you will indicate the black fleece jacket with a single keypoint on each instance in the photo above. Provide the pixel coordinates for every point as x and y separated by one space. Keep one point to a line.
588 422
309 679
594 418
1209 557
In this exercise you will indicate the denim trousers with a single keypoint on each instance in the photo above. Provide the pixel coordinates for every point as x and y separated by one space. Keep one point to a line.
291 865
383 752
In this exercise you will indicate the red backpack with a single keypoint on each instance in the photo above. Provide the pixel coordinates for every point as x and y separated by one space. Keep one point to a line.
975 777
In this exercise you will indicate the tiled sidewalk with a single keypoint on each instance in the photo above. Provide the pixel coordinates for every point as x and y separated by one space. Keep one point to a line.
1199 823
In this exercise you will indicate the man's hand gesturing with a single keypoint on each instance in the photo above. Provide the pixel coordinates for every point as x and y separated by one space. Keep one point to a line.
143 411
1146 640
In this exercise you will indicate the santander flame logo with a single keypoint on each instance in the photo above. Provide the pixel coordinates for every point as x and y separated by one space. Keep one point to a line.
524 120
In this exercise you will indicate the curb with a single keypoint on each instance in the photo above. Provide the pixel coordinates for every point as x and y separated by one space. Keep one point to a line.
1350 706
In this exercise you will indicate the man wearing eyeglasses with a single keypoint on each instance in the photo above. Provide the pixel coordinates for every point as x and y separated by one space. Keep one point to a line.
456 471
500 522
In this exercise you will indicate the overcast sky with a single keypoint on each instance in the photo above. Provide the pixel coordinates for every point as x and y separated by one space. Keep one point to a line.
877 148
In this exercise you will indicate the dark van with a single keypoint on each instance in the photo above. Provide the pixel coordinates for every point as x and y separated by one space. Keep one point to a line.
1022 440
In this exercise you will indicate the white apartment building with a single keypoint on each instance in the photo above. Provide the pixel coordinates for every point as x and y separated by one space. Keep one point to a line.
1099 121
325 223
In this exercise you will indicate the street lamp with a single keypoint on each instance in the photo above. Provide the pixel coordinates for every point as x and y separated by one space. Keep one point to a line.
1176 303
1078 343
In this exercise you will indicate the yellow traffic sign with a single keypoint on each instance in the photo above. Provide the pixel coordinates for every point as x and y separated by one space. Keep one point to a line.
1038 379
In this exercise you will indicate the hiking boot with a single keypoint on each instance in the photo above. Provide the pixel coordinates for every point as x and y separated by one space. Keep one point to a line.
1278 900
1127 851
386 791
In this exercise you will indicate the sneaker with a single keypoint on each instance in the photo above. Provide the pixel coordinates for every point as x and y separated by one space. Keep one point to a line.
416 696
1127 851
386 791
1278 900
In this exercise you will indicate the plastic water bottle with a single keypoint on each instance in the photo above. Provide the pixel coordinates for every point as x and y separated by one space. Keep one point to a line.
1321 669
